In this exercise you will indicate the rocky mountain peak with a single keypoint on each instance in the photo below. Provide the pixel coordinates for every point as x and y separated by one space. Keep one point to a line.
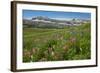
40 18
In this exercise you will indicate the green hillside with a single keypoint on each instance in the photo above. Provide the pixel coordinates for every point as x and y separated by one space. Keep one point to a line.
46 44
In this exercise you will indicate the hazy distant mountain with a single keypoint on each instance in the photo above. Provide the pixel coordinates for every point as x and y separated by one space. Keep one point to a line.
45 22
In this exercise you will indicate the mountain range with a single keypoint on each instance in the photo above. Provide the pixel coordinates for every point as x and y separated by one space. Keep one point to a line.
45 22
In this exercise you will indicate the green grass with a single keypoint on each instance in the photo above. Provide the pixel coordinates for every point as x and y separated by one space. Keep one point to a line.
70 43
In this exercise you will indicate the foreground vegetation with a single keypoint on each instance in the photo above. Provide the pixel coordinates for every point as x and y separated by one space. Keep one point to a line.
69 43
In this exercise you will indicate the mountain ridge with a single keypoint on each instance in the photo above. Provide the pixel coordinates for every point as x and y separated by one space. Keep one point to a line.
46 22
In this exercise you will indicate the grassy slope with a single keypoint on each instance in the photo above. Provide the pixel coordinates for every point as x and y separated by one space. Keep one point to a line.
70 43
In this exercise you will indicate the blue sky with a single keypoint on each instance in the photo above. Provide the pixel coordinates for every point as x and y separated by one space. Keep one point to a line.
28 14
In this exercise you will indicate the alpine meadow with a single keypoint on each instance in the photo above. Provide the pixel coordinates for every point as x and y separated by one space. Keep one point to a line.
56 36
